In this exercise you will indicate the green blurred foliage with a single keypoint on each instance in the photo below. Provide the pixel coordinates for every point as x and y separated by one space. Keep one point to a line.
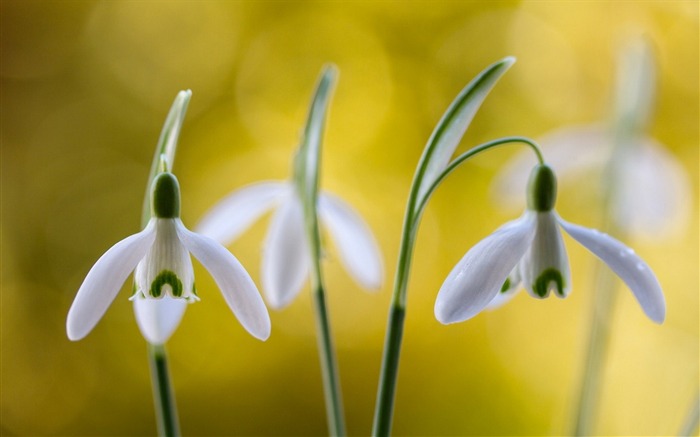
85 88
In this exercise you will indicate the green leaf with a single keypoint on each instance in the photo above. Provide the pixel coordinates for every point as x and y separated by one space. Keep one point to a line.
308 158
454 123
166 147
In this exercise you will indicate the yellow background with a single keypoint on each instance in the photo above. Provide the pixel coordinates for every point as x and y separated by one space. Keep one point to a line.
86 86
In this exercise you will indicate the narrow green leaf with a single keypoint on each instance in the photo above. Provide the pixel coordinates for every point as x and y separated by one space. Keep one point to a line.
166 147
454 123
307 161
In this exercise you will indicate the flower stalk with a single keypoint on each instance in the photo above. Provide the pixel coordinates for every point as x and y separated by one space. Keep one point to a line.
634 103
306 178
433 167
163 395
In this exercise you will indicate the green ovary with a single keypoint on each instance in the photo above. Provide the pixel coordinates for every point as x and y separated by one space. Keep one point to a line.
163 278
547 277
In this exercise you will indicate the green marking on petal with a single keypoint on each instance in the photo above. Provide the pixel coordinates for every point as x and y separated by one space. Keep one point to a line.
506 285
547 277
166 277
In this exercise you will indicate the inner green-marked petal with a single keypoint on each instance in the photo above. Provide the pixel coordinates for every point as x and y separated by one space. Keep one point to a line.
506 286
547 277
166 277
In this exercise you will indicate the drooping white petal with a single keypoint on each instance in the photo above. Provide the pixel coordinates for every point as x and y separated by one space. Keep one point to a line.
104 281
158 318
358 249
235 283
545 266
236 212
285 263
570 152
654 198
480 274
508 290
628 266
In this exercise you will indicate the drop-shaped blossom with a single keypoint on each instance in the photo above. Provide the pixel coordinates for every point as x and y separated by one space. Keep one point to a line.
633 161
286 257
530 250
647 167
159 256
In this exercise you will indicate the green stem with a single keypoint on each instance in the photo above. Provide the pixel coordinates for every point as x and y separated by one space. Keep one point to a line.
163 397
599 338
386 392
329 367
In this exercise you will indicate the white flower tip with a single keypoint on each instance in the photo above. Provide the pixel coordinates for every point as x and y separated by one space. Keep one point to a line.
158 318
445 314
74 331
276 299
262 331
448 310
656 311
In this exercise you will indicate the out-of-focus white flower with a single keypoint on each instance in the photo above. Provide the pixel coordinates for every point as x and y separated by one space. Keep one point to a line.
648 186
530 250
652 192
286 258
164 279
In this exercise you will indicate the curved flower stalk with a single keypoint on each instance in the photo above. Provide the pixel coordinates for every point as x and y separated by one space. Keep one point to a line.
286 258
530 250
160 257
641 163
435 165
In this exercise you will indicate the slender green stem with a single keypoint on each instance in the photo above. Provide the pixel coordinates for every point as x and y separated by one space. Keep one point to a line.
471 153
163 397
326 350
386 392
329 367
692 419
306 176
598 341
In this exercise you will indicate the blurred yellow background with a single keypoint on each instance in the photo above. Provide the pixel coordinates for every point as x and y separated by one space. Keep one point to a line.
85 89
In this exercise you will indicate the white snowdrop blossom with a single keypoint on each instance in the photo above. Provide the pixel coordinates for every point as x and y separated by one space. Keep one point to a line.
286 256
159 256
632 160
531 250
646 167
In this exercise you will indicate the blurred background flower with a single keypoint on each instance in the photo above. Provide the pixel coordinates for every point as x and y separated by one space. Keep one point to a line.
85 87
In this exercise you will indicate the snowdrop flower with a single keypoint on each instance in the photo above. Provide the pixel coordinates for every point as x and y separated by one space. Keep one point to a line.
647 167
286 257
641 163
530 250
163 275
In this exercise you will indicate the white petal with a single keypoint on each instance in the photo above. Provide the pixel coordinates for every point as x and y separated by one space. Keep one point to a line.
655 196
504 296
158 318
104 281
590 144
285 263
545 266
478 277
628 266
358 249
236 212
235 283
